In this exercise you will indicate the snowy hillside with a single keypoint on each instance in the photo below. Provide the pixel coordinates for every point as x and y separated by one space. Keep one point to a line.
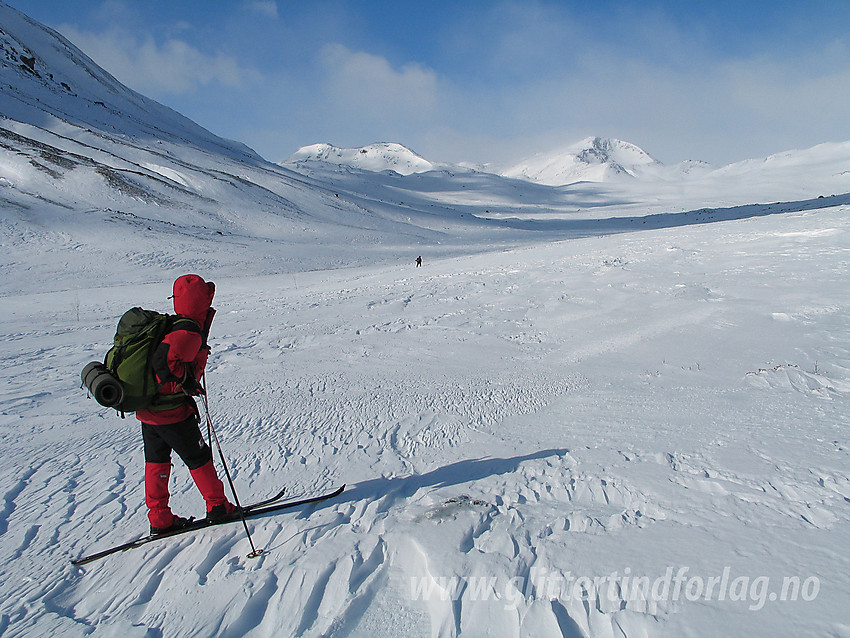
375 157
593 159
48 83
617 175
88 167
603 409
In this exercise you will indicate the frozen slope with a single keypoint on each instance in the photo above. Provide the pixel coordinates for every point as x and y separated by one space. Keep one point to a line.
374 157
593 159
49 83
102 178
667 406
110 186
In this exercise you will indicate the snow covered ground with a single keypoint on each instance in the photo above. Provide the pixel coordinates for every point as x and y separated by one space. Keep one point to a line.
641 434
375 157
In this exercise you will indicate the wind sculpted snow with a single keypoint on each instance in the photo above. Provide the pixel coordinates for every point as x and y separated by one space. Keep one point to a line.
533 439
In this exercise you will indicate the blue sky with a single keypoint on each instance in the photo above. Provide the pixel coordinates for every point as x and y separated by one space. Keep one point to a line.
483 81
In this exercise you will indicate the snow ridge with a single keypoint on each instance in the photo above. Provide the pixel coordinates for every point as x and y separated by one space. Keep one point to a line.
378 157
42 74
593 159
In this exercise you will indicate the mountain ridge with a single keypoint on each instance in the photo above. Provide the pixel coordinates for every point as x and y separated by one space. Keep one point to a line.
593 159
87 165
45 76
376 157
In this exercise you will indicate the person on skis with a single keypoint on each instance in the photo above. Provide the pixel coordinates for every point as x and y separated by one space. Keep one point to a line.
179 363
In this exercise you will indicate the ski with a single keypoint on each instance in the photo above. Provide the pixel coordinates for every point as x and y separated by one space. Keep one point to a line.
255 509
274 498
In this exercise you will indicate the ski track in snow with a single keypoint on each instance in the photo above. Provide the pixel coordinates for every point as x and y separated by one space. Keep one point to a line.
675 397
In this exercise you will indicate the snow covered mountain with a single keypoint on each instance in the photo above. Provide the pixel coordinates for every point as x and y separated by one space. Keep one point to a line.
88 166
374 157
87 162
609 166
593 159
50 84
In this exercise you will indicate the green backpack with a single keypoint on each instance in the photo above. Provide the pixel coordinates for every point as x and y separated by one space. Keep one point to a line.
130 360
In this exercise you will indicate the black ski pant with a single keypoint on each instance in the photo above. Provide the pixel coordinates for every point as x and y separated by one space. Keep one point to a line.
184 437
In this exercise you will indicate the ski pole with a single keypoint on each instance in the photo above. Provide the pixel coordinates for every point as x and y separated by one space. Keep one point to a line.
211 430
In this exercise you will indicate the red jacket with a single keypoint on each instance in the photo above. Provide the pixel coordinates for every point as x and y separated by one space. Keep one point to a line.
183 351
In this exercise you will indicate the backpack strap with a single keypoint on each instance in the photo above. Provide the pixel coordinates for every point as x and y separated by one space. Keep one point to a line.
159 365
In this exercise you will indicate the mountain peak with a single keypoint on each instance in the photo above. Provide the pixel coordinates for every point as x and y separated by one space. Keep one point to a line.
374 157
593 159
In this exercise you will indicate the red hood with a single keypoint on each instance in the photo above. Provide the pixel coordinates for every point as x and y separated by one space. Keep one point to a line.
193 297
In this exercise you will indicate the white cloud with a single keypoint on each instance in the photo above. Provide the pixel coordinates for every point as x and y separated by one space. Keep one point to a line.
647 80
267 8
154 68
368 84
506 82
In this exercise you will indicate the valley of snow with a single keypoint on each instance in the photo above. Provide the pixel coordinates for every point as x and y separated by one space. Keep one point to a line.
598 409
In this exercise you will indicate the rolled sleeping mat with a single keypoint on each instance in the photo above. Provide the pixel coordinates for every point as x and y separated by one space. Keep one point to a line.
105 388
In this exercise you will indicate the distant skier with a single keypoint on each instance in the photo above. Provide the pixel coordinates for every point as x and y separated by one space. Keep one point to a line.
179 363
419 261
